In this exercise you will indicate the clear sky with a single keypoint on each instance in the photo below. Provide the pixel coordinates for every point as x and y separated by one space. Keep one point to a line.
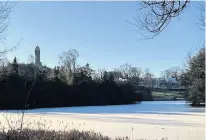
101 35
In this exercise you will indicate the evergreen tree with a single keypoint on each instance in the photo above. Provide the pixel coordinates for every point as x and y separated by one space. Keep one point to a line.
194 78
83 74
56 73
15 67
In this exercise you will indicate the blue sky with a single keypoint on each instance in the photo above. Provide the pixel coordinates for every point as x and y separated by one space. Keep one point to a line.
101 35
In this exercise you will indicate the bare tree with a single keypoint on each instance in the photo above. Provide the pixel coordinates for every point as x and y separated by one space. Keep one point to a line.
173 72
154 16
135 72
68 60
5 10
4 62
165 74
147 77
98 75
130 73
4 67
31 59
201 17
125 70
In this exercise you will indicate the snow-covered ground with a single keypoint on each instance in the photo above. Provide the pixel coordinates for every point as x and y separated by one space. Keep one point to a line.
149 120
147 126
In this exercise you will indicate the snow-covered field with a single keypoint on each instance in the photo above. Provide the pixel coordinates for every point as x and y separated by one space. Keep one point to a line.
149 120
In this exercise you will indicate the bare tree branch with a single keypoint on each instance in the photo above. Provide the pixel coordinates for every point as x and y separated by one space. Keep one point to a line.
5 50
128 71
201 17
68 60
173 72
5 10
154 16
31 59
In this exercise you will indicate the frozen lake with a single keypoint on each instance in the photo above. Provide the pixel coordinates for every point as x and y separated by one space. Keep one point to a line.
150 107
175 120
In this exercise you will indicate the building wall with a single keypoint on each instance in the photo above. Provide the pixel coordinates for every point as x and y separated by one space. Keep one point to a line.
171 83
37 56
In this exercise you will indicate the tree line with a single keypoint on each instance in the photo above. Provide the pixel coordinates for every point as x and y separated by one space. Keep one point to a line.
72 85
192 78
24 86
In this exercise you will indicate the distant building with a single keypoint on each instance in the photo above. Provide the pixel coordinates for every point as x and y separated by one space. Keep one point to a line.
163 83
31 70
159 82
170 83
121 79
37 56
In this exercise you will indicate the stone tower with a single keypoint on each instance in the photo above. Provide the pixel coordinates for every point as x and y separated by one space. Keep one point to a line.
37 56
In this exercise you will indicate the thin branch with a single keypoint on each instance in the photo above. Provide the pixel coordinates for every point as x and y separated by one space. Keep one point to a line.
154 16
201 17
5 51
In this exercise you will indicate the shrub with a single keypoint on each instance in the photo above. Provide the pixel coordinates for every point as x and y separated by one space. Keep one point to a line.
28 134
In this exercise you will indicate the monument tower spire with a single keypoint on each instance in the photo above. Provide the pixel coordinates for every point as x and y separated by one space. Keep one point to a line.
37 56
